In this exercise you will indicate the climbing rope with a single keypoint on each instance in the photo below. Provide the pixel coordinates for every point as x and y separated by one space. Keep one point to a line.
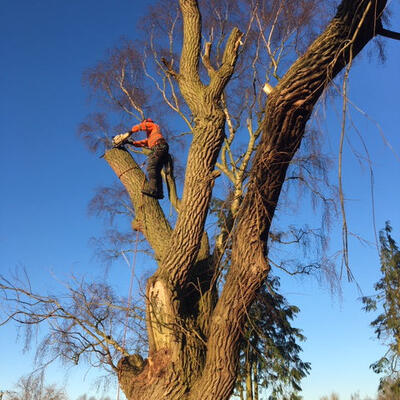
129 295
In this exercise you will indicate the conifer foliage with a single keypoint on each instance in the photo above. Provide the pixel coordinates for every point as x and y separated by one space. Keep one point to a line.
270 350
387 300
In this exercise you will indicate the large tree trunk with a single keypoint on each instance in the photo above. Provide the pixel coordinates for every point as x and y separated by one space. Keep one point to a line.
194 340
288 110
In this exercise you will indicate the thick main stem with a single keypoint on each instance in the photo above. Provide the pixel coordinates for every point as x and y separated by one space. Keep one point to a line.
288 110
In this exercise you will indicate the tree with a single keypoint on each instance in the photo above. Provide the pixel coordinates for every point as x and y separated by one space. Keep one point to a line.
389 389
204 366
288 109
387 324
85 397
195 310
32 387
354 396
269 353
333 396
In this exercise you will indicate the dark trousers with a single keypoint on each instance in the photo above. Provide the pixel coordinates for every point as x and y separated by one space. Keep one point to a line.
155 162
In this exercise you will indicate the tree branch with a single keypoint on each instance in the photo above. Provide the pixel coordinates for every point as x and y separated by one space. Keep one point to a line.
200 175
389 34
169 67
150 218
206 60
224 73
208 134
171 187
190 55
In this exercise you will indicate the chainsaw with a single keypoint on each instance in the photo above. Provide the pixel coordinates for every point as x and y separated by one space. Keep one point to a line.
119 141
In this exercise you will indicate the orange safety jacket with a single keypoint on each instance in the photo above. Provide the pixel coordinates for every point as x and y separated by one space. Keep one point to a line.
153 134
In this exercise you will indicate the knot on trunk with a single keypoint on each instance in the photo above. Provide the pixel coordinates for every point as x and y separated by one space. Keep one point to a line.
138 377
130 366
137 225
128 369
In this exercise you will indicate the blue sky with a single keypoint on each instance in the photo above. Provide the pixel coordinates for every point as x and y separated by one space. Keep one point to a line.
48 178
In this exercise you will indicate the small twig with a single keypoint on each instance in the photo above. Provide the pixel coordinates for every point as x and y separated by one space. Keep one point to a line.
206 59
169 67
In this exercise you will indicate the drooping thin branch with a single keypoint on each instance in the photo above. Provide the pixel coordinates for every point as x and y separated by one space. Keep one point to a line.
121 82
34 309
174 103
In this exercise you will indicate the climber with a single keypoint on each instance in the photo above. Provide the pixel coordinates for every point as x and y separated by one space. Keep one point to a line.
158 157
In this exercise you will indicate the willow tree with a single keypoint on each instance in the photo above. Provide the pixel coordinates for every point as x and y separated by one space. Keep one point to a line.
194 329
197 303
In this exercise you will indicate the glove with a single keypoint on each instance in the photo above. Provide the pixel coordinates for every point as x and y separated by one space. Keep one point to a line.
119 139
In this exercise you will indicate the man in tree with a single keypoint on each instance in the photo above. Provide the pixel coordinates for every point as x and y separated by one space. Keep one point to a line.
158 157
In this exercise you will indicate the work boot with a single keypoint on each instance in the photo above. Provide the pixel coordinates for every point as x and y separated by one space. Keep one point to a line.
153 193
154 187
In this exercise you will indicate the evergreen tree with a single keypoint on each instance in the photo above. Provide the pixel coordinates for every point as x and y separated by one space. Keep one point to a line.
387 324
270 353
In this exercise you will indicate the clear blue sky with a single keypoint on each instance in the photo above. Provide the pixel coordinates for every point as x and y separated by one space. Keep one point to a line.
48 178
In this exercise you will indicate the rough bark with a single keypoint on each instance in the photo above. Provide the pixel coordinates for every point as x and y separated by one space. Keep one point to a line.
288 110
178 272
180 297
149 217
194 347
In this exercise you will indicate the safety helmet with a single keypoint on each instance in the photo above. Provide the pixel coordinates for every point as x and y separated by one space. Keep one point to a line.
148 120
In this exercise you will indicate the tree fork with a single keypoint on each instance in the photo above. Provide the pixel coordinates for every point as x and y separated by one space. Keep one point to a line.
208 135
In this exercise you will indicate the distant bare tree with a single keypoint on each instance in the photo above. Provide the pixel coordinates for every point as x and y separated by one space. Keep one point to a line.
32 387
332 396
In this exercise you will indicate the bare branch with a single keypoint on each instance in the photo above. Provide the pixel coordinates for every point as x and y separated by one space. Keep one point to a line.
170 69
389 34
191 43
206 59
